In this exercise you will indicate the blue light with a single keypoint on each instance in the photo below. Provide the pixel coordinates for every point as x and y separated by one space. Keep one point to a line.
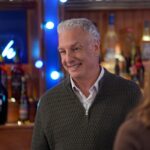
36 50
51 61
7 48
8 51
49 25
39 64
55 75
11 54
63 1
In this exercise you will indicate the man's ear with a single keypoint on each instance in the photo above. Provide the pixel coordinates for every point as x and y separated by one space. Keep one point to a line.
97 48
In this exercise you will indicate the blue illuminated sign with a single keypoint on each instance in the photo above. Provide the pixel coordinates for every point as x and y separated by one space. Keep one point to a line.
10 45
13 35
9 51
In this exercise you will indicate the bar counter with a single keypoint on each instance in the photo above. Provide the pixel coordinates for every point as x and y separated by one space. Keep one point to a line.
15 137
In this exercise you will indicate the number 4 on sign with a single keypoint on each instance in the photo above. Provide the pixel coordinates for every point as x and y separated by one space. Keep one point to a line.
9 51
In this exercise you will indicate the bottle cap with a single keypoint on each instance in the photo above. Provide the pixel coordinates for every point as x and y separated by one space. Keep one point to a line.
111 19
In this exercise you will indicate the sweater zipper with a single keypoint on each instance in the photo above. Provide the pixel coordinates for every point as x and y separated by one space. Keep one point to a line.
86 113
86 116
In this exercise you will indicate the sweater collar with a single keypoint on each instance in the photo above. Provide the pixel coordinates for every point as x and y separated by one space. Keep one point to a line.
95 85
106 77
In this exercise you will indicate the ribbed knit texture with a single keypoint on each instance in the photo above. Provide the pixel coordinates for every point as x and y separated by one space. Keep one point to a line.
61 123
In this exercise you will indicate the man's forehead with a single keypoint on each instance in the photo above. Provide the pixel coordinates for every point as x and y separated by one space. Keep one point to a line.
73 44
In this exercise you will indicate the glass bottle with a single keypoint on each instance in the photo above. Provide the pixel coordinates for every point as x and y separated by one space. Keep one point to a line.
146 31
145 42
128 48
133 72
13 111
4 76
3 102
32 109
117 67
24 102
110 40
16 75
140 69
32 97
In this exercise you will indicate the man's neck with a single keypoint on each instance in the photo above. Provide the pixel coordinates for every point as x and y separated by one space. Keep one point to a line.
85 84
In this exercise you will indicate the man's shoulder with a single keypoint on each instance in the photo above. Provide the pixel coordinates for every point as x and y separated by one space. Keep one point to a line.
119 81
59 88
116 85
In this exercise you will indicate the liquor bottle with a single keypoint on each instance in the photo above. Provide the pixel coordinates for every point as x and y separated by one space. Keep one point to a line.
117 67
110 40
16 75
3 103
133 53
145 42
140 69
137 68
32 108
33 100
128 41
4 76
133 72
24 102
128 48
13 111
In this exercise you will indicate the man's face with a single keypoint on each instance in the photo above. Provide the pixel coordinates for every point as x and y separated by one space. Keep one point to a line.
79 55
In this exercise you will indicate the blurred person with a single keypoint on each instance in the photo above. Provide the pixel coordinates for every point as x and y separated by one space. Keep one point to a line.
134 133
84 111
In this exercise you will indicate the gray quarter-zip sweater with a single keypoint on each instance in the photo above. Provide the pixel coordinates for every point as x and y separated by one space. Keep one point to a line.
62 124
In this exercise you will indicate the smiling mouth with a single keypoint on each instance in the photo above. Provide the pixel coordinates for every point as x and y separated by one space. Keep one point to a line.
73 67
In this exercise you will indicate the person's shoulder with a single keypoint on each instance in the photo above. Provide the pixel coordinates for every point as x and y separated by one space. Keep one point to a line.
59 87
54 92
120 81
129 135
132 126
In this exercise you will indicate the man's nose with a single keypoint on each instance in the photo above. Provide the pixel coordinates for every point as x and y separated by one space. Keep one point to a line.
69 56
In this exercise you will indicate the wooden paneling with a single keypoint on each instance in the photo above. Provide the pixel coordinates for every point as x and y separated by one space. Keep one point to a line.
18 4
106 5
123 19
13 137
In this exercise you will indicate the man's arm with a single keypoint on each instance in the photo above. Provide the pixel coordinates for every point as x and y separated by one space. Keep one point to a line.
39 141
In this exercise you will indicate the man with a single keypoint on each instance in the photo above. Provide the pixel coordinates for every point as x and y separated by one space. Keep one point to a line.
85 110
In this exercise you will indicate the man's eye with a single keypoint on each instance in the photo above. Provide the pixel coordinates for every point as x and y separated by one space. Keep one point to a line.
62 52
76 48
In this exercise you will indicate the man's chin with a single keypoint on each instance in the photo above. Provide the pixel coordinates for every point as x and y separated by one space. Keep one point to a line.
74 75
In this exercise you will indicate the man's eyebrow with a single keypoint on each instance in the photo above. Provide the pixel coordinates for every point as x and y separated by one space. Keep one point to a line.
76 44
73 45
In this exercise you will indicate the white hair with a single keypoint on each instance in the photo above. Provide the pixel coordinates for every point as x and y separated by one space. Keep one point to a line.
83 23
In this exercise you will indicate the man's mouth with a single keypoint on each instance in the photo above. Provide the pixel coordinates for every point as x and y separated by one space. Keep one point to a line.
74 67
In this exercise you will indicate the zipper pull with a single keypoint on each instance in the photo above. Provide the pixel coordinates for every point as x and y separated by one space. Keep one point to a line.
86 112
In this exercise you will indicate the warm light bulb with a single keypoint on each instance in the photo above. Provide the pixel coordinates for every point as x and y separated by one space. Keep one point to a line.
146 38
